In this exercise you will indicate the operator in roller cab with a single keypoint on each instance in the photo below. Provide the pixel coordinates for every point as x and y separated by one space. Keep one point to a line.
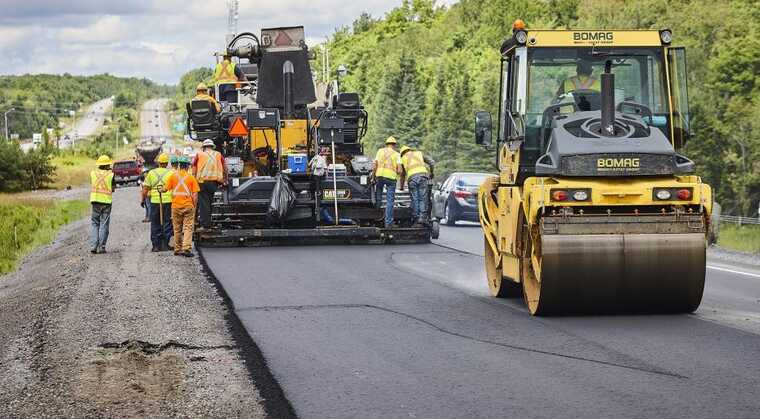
595 209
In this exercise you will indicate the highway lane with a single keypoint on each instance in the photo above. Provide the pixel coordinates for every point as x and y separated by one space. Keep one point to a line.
410 331
86 125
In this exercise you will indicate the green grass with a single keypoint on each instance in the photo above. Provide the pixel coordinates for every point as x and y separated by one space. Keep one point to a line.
73 169
28 223
745 238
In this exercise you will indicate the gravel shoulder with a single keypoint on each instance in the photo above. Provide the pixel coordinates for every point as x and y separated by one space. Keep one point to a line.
128 334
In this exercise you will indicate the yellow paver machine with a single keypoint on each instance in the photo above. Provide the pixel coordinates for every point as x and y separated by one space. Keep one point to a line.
594 209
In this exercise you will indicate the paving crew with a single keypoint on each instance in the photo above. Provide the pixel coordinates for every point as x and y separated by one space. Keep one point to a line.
386 168
160 204
209 170
184 190
201 94
226 76
101 198
417 170
581 81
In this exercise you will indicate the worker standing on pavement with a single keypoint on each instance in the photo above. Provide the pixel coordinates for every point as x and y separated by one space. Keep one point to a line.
417 170
101 198
184 190
160 204
209 170
386 168
201 94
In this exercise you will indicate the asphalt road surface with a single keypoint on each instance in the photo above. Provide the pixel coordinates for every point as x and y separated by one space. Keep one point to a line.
87 124
410 331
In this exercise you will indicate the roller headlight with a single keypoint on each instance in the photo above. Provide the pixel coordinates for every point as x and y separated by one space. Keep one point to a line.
521 37
663 194
580 195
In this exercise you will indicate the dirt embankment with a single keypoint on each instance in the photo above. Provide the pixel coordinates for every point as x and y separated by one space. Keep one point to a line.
129 333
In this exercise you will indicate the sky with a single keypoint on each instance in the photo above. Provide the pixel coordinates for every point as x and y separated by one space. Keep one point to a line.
159 40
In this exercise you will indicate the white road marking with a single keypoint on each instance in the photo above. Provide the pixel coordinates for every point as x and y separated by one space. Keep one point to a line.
717 268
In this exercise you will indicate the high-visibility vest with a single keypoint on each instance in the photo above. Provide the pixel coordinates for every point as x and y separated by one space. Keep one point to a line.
209 166
225 72
414 163
582 83
101 184
206 98
387 163
181 188
155 180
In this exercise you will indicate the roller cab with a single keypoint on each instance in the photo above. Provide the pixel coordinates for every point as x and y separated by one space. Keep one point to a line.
595 210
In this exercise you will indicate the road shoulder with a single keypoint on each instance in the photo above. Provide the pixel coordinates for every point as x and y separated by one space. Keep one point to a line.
129 333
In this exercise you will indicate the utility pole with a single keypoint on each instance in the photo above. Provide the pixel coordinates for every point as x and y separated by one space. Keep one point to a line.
233 7
5 115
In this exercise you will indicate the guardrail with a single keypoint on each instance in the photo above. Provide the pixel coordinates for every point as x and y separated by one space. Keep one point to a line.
739 220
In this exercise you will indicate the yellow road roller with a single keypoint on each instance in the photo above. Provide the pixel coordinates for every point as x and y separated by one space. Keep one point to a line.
594 209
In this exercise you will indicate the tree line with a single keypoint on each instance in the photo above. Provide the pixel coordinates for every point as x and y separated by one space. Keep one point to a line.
423 70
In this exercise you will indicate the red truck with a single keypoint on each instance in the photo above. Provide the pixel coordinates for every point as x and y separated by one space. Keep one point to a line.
127 171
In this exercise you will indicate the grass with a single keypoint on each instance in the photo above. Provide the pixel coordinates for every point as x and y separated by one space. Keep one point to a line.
26 223
74 169
745 238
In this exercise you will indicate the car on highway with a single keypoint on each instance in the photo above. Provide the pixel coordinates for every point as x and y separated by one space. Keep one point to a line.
456 199
127 171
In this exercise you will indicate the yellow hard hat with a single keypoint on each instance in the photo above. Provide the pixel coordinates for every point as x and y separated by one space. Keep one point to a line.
104 161
163 158
202 86
391 140
404 149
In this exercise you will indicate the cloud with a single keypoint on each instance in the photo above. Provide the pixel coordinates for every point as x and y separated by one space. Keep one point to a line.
159 40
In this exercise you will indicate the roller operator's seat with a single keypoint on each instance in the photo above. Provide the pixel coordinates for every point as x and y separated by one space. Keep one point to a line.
204 120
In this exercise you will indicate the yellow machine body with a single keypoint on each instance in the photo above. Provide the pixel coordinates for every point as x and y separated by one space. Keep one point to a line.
622 249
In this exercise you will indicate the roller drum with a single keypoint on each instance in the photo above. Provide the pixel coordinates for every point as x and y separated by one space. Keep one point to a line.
618 273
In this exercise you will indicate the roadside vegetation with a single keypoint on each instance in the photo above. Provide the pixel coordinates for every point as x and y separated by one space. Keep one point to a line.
422 70
28 223
744 238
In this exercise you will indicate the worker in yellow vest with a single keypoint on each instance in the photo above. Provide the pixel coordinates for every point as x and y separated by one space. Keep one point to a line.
211 173
184 190
387 167
201 94
417 170
226 75
101 198
581 81
160 204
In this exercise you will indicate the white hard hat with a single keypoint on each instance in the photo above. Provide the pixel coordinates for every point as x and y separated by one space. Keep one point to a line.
208 143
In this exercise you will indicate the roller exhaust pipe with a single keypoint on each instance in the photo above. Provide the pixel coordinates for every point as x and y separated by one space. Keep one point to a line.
608 101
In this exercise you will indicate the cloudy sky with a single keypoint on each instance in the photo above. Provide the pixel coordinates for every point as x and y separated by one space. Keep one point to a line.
156 39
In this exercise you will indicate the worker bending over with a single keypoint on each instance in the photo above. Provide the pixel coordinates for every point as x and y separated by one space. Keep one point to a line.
160 204
209 170
184 191
386 168
201 95
101 198
417 170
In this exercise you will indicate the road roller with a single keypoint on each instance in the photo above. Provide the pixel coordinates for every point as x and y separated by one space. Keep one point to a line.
594 209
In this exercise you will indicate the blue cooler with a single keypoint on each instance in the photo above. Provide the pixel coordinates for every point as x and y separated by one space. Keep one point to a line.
297 163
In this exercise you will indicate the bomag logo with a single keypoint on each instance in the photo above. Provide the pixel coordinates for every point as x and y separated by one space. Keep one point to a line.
624 163
604 37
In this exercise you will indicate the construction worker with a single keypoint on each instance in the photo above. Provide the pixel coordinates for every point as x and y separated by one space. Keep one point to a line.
201 94
226 75
581 81
101 198
417 169
184 190
160 204
209 170
386 168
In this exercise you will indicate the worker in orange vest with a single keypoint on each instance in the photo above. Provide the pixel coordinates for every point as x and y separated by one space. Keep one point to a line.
184 189
211 173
